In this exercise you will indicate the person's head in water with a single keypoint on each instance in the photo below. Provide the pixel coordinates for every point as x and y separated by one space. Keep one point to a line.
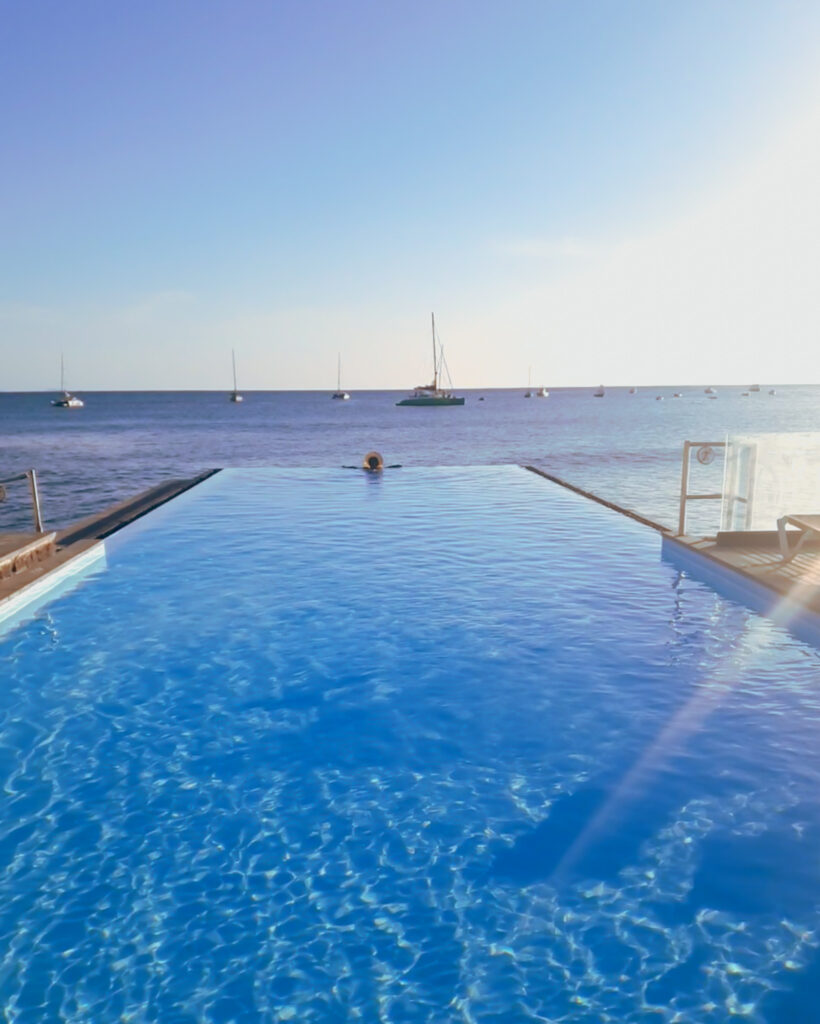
373 462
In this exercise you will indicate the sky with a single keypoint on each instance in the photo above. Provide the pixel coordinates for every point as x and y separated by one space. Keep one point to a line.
618 191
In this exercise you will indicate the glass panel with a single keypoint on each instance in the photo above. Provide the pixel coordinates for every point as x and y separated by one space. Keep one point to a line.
768 476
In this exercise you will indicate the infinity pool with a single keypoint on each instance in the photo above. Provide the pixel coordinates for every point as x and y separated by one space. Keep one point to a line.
436 745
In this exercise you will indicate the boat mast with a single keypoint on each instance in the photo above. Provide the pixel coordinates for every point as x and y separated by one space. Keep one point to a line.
62 373
339 371
233 360
435 366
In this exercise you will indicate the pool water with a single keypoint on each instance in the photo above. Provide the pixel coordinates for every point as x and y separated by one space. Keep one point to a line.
434 745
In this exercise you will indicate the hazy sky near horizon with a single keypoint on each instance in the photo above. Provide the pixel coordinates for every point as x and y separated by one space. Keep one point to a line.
606 191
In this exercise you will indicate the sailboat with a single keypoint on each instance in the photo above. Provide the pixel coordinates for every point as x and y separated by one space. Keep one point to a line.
539 392
432 394
234 395
68 401
338 393
600 392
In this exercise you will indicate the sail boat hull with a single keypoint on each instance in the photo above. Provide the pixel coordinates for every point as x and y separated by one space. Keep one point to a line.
338 394
432 400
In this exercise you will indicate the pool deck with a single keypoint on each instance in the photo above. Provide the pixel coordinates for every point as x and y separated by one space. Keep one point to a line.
755 557
21 551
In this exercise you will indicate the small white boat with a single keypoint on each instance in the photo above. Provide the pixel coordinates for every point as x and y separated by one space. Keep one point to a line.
67 401
633 391
709 391
234 395
599 393
677 394
658 398
772 391
343 396
542 393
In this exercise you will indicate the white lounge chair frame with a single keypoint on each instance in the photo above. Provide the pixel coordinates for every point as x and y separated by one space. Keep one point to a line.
808 527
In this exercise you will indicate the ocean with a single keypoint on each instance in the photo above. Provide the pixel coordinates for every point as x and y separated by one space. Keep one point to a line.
623 447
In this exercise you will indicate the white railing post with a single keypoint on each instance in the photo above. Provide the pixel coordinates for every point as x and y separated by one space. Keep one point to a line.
684 489
35 499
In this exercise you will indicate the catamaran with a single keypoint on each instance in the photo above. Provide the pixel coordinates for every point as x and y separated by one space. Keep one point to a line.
539 392
68 401
338 393
234 395
433 394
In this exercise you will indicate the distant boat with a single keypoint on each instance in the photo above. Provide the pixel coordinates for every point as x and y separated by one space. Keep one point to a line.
68 401
772 391
599 393
658 398
338 393
633 391
528 392
542 393
755 387
709 391
744 394
234 395
677 394
433 394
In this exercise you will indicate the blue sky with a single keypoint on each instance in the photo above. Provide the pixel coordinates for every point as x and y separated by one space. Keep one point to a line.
295 178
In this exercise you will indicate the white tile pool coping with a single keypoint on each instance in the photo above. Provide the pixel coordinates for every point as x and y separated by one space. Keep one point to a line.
26 601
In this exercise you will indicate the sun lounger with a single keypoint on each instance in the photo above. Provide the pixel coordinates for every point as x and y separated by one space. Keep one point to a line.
808 528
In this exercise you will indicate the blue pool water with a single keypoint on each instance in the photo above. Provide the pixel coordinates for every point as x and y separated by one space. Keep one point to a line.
440 745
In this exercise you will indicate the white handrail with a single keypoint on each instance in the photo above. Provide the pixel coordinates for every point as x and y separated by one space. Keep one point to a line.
31 476
685 496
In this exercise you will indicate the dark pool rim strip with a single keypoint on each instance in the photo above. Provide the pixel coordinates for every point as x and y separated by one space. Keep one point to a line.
601 501
116 517
761 595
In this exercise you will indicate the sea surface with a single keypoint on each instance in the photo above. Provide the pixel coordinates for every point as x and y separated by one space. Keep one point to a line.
626 448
